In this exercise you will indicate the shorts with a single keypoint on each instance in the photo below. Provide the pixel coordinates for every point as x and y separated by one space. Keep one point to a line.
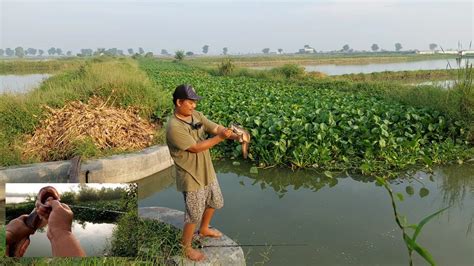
197 201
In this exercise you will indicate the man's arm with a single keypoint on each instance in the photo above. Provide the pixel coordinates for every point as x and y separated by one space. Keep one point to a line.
233 136
221 133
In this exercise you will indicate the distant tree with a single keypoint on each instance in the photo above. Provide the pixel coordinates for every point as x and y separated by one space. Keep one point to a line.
120 52
19 52
164 52
69 53
266 50
130 51
225 50
179 55
87 52
31 51
189 53
280 50
433 46
59 51
375 47
345 48
2 52
40 52
149 54
205 49
398 46
307 46
9 52
51 51
140 50
111 51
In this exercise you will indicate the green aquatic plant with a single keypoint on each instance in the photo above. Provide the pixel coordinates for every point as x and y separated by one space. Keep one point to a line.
410 241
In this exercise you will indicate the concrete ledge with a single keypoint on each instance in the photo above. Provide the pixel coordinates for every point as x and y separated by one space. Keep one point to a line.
224 252
121 168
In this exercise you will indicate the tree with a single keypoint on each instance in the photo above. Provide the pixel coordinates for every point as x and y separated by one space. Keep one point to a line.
307 46
111 51
40 52
164 52
179 55
59 51
433 46
87 52
2 52
19 52
9 52
225 50
149 54
69 53
189 53
375 47
280 50
31 51
345 48
205 49
130 51
140 50
266 50
398 46
51 51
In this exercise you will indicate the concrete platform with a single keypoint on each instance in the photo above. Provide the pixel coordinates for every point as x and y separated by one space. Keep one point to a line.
223 251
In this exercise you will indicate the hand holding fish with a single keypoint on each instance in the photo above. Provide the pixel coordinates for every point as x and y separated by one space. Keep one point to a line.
225 133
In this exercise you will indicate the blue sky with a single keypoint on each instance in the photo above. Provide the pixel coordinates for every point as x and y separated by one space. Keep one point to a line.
242 26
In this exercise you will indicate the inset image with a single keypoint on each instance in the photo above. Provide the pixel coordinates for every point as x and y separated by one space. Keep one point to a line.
73 220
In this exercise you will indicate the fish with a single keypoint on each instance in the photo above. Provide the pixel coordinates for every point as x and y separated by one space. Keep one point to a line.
244 137
33 220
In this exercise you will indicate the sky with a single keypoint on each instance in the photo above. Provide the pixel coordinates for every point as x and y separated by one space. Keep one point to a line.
241 26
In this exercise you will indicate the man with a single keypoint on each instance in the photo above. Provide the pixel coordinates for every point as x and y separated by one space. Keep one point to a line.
195 175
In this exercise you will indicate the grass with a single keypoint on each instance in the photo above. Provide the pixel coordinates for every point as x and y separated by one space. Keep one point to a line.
120 80
38 66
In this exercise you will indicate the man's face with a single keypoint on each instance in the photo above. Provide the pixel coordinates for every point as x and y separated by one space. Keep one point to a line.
185 107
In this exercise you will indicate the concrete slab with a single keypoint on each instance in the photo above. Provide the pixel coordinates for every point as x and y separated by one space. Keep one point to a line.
223 251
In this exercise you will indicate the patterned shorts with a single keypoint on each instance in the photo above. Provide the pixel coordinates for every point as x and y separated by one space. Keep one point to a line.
197 201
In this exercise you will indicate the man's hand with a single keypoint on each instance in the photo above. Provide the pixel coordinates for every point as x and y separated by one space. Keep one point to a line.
17 235
225 133
60 219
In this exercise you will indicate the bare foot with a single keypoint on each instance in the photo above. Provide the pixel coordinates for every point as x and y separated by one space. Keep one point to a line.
208 232
194 254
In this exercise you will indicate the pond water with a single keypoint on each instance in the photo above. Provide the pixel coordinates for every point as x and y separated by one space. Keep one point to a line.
94 238
341 220
444 84
333 69
20 83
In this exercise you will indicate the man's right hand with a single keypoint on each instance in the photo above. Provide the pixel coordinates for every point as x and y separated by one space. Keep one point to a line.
60 219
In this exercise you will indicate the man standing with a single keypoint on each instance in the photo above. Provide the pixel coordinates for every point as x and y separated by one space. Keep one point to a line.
195 175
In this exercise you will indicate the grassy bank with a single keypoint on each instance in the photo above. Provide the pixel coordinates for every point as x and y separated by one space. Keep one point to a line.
312 59
118 81
18 67
416 75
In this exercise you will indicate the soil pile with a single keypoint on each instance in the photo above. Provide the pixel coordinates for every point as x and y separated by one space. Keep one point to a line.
78 127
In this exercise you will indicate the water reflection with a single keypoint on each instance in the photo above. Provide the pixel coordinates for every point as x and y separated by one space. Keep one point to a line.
342 220
93 238
20 83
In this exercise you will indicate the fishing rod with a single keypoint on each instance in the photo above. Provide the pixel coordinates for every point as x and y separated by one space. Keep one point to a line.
253 245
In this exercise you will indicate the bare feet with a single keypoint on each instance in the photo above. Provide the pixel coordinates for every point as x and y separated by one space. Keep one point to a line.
194 254
208 232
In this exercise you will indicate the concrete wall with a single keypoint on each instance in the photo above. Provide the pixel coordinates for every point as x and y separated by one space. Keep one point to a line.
114 169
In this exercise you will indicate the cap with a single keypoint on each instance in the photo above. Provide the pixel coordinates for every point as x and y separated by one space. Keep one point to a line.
185 91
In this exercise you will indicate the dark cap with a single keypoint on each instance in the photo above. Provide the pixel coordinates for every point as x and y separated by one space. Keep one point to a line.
185 91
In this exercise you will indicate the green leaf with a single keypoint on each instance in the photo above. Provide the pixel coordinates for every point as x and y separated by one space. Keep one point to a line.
424 221
400 196
382 143
328 174
253 170
412 245
410 191
424 192
235 163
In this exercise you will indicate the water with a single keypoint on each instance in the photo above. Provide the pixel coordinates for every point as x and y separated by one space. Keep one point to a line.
345 220
93 237
444 84
15 199
332 69
20 83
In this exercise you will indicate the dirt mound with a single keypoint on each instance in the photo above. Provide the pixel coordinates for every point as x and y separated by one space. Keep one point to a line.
94 125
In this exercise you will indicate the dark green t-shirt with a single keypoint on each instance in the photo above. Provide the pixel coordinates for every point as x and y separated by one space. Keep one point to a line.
193 170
